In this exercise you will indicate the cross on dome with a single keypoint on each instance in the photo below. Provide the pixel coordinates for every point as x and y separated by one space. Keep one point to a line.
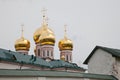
65 33
22 25
43 13
44 10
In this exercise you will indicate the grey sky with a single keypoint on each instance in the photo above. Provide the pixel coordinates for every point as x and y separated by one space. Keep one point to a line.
90 23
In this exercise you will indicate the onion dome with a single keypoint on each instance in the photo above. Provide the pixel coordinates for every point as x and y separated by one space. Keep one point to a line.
37 34
22 43
65 43
44 35
47 36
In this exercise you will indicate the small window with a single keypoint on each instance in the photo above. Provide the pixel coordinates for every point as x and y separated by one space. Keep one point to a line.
38 52
70 58
51 53
43 53
47 53
67 57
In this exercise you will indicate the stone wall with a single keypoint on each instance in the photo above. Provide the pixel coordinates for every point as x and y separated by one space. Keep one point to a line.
101 63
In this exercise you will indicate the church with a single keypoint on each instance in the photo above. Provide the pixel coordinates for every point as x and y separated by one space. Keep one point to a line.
44 39
103 63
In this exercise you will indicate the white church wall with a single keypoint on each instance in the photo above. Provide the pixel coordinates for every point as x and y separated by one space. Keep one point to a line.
5 65
39 78
21 78
44 78
101 62
8 66
58 78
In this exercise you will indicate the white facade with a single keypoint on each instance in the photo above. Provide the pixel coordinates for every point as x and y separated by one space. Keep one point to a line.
44 78
103 62
67 54
12 66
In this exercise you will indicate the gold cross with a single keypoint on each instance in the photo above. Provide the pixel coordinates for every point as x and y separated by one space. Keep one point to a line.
65 35
44 11
22 25
47 19
65 28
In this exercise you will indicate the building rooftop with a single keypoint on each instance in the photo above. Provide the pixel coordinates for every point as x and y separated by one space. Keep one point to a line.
114 52
16 57
37 73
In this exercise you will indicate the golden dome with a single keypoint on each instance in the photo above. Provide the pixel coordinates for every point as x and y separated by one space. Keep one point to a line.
22 44
37 34
47 36
65 43
44 35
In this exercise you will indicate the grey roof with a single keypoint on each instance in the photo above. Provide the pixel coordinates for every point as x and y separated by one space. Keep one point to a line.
16 57
112 51
37 73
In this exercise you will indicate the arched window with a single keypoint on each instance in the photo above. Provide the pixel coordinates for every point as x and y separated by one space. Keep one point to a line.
38 52
70 58
67 58
47 53
43 53
51 53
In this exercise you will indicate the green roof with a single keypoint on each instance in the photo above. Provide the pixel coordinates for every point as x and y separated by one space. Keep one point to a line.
37 73
22 58
112 51
61 63
36 61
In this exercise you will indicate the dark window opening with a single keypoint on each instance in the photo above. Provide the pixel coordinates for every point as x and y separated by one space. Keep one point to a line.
38 52
47 53
43 53
67 57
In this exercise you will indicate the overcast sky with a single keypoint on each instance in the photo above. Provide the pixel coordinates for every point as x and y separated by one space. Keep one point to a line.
89 23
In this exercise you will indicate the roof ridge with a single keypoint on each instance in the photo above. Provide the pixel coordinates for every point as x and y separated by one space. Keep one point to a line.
112 51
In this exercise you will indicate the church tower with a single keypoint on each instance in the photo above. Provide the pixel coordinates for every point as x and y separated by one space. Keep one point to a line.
22 45
65 46
45 40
